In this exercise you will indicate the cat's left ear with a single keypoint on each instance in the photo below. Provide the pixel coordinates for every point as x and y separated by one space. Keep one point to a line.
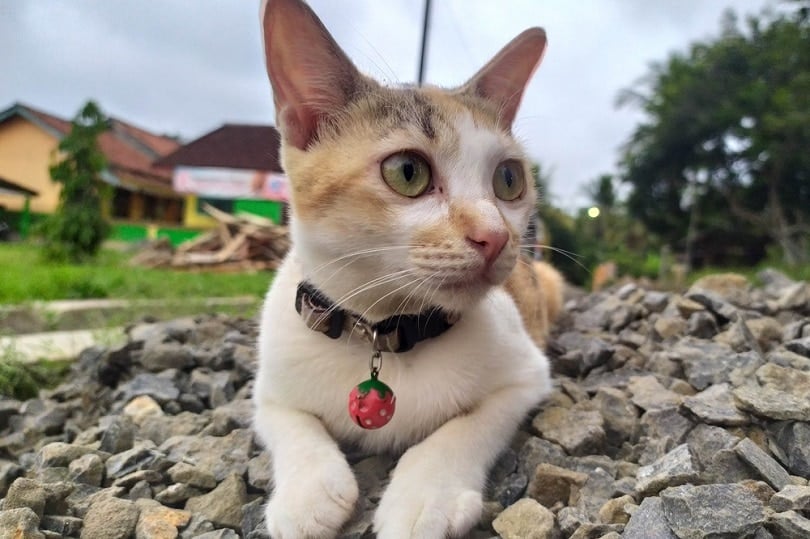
504 78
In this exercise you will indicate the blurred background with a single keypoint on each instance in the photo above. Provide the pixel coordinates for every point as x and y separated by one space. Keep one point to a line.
670 138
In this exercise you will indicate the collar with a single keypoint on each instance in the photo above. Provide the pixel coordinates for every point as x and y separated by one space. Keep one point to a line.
395 334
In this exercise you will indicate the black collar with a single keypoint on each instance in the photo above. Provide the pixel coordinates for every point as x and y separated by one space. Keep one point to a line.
395 334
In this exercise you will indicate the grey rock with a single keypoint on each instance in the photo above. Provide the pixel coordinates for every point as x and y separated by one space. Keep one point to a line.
569 519
701 325
219 534
236 414
88 469
98 523
223 505
182 472
706 440
799 346
213 387
770 470
665 423
20 523
722 309
655 301
141 489
64 526
591 530
675 468
789 525
717 511
790 442
260 471
648 394
668 327
253 519
619 413
219 456
129 480
177 493
143 456
551 484
60 454
159 428
525 519
537 451
510 489
9 471
579 429
161 389
715 405
158 355
26 493
778 393
648 522
794 297
119 435
197 526
791 498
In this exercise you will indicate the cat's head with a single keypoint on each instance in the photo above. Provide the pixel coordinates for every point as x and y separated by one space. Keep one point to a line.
402 198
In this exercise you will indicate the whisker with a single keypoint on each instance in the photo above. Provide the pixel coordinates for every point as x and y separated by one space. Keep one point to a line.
365 287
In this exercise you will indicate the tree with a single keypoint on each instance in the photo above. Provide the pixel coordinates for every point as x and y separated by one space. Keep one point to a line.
77 228
719 167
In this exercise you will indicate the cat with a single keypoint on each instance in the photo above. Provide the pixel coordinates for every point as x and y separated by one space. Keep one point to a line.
407 210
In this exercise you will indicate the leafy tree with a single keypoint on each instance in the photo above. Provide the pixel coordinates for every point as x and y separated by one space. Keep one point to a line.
77 228
720 168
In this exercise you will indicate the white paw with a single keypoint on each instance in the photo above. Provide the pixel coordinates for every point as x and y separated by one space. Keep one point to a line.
428 502
315 505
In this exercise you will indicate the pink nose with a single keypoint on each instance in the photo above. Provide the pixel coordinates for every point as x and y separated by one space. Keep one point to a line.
489 243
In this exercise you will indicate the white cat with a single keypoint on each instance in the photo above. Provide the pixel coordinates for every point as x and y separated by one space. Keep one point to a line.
412 202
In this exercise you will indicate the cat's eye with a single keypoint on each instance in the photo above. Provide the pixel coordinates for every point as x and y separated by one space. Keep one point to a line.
407 173
509 181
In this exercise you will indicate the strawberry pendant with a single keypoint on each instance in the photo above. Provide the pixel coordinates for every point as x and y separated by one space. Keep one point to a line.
372 403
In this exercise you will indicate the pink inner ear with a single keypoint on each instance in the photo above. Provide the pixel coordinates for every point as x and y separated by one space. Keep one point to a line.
311 76
504 78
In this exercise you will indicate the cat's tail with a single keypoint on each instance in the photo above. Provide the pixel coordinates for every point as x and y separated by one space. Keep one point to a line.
537 289
553 286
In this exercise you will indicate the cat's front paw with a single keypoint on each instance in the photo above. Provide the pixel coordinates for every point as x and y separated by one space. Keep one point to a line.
426 502
314 507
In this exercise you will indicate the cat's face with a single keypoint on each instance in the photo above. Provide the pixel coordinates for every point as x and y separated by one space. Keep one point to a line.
402 198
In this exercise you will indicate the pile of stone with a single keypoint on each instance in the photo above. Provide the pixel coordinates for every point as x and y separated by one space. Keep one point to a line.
674 415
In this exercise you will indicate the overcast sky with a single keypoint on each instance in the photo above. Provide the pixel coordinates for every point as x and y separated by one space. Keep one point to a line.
185 67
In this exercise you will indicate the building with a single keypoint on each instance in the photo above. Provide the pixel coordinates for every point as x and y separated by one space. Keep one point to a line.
234 168
142 195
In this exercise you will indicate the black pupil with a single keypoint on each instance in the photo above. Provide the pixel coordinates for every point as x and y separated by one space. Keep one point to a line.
508 178
408 171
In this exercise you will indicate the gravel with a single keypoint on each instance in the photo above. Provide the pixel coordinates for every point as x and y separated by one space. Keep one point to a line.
674 416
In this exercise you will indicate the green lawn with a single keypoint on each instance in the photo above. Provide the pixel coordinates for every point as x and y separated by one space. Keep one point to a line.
25 276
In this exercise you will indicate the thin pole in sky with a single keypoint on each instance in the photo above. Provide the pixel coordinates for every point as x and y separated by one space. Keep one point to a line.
423 52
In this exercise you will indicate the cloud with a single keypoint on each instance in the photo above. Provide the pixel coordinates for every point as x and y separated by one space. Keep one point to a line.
185 68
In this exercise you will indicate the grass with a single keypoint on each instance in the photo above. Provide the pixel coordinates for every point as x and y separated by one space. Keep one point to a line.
25 276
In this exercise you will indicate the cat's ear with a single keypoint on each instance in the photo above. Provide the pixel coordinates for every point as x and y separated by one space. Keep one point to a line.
311 76
504 78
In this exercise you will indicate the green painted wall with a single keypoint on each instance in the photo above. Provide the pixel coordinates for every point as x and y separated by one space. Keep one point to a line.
265 208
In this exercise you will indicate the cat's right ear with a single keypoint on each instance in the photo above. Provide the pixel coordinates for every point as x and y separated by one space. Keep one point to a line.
311 76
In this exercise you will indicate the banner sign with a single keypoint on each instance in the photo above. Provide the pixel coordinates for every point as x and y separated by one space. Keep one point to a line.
212 182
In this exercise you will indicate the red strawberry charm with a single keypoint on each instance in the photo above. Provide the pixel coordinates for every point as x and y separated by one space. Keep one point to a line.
372 404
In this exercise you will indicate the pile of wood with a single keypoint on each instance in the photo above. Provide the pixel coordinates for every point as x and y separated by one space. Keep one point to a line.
239 243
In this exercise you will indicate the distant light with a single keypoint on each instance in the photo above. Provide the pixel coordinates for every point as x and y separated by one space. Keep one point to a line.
593 212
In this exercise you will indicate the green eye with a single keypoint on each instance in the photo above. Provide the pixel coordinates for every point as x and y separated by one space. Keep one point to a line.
508 180
407 173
